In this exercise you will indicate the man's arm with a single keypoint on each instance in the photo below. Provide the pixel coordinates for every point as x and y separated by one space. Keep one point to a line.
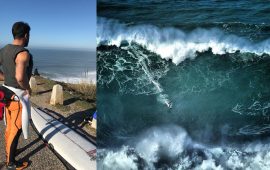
22 61
2 78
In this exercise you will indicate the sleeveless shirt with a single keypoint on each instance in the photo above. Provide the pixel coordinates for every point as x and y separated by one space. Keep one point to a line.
8 56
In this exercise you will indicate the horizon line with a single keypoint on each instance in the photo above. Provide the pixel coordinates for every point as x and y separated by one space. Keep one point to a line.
92 49
62 48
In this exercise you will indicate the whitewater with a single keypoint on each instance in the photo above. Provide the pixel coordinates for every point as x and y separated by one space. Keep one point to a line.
170 147
174 44
183 85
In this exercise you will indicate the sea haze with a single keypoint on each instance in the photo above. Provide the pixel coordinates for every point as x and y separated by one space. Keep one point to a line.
66 65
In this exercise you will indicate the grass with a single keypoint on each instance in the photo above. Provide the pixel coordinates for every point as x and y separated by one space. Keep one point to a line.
80 97
83 104
87 90
62 107
84 93
49 83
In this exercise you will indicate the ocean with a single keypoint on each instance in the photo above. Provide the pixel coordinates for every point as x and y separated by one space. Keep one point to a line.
66 65
183 84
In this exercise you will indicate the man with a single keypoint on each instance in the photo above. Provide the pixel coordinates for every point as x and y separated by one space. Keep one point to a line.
17 67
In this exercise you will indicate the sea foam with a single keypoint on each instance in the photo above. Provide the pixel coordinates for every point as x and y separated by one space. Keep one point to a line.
86 77
170 147
175 44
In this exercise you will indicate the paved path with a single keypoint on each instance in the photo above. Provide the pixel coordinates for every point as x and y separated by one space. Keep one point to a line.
32 149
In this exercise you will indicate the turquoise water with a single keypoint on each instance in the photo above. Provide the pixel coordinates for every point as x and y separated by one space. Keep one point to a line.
183 85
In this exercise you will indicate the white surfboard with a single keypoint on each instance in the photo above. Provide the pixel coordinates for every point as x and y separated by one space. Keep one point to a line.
76 150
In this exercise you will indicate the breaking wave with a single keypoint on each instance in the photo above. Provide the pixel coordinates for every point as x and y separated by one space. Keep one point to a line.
87 77
170 147
175 44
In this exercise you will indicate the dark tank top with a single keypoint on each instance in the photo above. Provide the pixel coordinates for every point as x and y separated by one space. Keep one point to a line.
8 56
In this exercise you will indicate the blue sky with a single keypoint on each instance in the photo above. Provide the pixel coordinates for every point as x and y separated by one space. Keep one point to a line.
54 23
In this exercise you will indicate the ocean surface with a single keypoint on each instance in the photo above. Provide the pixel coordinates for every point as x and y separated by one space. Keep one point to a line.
183 85
67 65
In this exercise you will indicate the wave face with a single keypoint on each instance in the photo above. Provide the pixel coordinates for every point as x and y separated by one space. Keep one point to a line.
176 93
218 100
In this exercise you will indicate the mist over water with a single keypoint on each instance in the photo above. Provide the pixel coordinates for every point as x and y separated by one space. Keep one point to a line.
182 95
73 66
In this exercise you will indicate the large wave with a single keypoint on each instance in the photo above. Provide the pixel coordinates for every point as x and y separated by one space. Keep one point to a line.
170 147
175 44
222 102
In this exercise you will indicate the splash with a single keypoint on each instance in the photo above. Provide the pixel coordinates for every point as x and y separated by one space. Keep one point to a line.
170 147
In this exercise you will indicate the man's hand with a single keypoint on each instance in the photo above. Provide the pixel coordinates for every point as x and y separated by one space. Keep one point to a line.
29 92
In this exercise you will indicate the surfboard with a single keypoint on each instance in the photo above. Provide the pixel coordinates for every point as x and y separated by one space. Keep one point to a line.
72 147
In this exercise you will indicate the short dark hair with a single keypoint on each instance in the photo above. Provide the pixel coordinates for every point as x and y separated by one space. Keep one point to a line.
19 29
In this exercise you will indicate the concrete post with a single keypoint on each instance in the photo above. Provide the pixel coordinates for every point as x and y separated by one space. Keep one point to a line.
94 123
33 84
57 95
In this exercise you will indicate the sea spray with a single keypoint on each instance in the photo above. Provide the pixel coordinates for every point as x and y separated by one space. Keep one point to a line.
170 147
158 145
174 44
120 160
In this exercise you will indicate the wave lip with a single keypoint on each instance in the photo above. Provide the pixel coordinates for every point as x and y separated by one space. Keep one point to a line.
174 44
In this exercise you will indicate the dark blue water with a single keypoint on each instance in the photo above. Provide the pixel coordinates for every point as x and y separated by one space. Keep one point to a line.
183 85
66 65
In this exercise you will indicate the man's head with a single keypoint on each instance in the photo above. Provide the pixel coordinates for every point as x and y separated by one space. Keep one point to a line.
21 31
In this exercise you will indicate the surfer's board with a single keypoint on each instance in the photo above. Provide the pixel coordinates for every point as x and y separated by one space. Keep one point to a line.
76 150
